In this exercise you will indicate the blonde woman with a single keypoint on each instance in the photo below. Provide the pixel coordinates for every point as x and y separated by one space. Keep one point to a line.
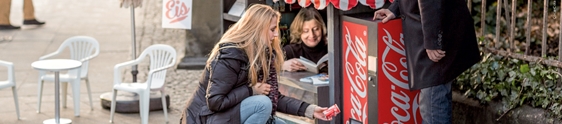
308 39
239 84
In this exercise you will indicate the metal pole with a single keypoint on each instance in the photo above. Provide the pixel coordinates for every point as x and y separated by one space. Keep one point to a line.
483 19
498 22
57 105
560 39
134 55
334 51
528 32
545 15
512 26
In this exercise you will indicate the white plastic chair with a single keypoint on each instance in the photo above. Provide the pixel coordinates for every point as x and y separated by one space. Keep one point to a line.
81 48
161 58
11 82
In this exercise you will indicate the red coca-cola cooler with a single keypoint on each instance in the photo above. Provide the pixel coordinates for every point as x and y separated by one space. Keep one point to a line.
375 79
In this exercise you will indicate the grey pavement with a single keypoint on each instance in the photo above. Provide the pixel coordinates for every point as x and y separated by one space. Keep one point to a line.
111 26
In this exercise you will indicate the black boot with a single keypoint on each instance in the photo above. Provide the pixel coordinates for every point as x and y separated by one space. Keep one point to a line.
8 27
32 22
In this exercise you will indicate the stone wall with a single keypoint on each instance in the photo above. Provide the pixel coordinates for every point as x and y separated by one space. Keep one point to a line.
470 111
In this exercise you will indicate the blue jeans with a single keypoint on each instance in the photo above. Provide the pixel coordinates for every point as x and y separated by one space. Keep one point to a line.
257 110
436 104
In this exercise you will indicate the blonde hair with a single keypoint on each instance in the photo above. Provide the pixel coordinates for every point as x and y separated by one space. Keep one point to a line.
251 34
306 14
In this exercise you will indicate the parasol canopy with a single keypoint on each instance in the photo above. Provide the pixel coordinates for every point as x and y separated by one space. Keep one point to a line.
133 3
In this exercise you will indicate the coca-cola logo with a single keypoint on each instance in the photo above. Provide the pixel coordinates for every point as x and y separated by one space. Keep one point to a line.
401 101
355 56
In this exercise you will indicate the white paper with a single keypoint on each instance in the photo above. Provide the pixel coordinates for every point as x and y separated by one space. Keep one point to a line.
315 79
372 63
238 8
177 14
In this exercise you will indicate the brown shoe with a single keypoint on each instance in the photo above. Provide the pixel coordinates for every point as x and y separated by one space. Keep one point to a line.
32 22
8 27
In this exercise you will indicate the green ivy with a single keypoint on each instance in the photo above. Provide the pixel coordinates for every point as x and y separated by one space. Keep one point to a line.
513 82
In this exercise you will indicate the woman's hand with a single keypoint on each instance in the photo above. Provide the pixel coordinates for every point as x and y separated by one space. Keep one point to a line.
293 65
319 113
384 14
261 89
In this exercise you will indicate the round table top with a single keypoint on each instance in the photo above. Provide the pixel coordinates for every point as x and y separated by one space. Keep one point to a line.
56 64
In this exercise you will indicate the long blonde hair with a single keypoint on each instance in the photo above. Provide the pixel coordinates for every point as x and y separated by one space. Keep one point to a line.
251 34
306 14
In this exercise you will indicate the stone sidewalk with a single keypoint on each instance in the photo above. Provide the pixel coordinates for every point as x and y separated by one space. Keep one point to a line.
111 26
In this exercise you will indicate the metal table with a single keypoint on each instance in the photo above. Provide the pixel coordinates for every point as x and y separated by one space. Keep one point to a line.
56 65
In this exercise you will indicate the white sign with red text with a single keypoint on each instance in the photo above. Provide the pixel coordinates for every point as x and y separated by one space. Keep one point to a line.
176 14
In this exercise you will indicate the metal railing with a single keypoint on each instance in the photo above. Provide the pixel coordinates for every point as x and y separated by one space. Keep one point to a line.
509 17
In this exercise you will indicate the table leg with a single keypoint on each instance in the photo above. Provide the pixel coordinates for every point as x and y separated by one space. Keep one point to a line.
57 95
57 119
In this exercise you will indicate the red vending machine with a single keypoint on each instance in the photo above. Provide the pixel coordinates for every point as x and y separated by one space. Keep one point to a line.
375 78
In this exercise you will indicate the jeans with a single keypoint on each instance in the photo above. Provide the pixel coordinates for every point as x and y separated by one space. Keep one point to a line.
436 104
255 109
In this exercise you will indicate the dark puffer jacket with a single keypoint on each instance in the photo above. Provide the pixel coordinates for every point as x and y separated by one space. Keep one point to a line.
220 92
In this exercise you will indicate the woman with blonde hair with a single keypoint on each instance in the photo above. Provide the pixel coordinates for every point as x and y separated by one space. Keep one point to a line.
308 39
239 84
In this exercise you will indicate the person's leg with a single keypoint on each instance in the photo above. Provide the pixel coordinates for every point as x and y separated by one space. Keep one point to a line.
5 12
29 14
28 10
436 104
255 109
5 15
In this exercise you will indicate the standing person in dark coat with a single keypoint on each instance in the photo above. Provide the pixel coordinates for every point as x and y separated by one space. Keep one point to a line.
239 84
308 39
440 45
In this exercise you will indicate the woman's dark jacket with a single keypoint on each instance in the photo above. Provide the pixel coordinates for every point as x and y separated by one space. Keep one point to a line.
436 24
313 54
220 92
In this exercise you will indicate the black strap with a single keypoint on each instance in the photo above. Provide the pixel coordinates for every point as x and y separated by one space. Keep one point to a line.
271 120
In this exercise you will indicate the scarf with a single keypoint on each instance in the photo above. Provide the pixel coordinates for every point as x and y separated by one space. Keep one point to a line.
272 80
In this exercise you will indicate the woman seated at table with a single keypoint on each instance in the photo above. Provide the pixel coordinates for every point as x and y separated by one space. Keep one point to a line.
308 39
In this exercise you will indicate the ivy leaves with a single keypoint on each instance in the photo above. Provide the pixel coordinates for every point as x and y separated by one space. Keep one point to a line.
513 82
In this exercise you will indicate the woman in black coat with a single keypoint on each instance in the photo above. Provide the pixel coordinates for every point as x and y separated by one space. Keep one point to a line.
239 84
440 44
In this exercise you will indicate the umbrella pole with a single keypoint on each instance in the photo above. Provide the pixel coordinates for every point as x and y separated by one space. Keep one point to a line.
127 102
134 71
